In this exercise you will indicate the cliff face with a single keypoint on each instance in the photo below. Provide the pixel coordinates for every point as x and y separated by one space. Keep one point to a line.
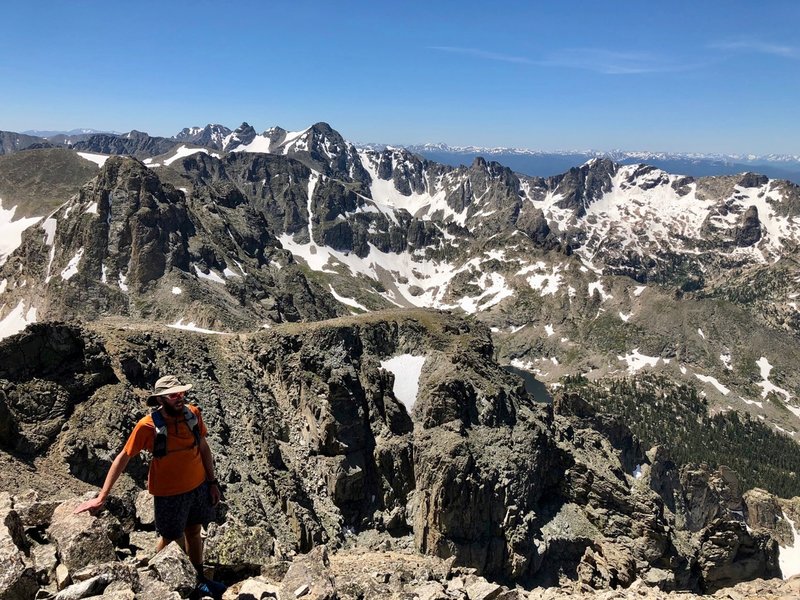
315 447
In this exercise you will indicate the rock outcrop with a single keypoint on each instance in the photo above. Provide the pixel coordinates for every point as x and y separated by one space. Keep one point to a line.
315 448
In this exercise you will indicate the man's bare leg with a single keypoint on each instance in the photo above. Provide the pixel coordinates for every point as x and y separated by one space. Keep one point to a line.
194 545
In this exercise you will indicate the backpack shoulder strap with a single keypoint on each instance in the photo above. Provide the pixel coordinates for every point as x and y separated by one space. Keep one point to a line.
192 423
160 441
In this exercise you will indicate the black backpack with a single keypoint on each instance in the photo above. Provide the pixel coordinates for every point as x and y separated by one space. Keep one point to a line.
160 441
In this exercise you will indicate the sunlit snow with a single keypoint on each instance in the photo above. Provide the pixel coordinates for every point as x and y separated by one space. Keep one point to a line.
11 231
758 404
72 267
713 381
637 361
211 275
789 557
177 290
598 285
179 324
183 152
546 283
407 370
17 320
492 293
98 159
385 193
347 301
765 385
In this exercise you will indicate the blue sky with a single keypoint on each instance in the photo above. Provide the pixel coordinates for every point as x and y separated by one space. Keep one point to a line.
700 76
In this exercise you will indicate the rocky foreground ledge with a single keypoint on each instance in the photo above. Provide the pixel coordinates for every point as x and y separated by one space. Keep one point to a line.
472 491
49 552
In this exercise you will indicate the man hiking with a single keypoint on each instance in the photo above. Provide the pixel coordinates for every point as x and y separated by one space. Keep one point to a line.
181 476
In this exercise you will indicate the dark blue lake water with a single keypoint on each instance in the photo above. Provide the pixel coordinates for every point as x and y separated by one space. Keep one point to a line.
532 385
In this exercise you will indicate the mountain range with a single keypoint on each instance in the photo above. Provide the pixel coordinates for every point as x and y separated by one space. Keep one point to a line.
604 267
605 271
522 160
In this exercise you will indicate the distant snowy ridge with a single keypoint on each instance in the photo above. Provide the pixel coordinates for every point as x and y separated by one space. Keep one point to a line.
614 154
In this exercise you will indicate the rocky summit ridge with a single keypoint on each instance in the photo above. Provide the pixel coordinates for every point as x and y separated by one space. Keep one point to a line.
316 452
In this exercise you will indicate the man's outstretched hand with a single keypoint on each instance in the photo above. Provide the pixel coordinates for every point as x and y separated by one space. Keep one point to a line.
93 506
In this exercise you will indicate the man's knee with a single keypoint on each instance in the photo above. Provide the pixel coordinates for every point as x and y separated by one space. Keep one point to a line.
193 530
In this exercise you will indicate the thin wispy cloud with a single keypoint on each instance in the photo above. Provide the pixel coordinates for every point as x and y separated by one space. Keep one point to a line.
484 54
609 62
598 60
759 47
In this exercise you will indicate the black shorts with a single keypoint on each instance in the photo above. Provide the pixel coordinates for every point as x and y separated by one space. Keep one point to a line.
176 513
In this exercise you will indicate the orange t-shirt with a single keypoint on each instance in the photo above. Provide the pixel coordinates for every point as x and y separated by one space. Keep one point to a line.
181 470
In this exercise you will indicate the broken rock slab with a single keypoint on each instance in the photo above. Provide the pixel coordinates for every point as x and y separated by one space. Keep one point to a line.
173 567
255 588
480 589
33 511
81 539
309 577
17 577
84 589
145 510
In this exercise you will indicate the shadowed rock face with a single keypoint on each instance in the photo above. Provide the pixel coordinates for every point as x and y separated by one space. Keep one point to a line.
314 447
129 245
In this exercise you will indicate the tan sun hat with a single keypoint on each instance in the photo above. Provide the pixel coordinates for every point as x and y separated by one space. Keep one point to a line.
168 384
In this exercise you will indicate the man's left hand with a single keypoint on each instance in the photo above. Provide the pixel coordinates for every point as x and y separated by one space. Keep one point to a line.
216 494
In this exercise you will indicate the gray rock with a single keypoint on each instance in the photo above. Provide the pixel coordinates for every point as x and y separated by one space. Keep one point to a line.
482 590
311 571
45 562
153 587
117 573
257 589
145 510
63 578
84 589
432 590
764 512
748 232
33 511
173 567
607 565
80 539
17 577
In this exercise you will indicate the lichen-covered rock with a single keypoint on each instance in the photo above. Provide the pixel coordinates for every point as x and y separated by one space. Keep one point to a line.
764 512
17 576
81 539
145 510
728 553
309 576
84 589
173 568
607 565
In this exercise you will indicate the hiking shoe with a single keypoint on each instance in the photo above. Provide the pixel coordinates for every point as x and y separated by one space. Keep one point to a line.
210 588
